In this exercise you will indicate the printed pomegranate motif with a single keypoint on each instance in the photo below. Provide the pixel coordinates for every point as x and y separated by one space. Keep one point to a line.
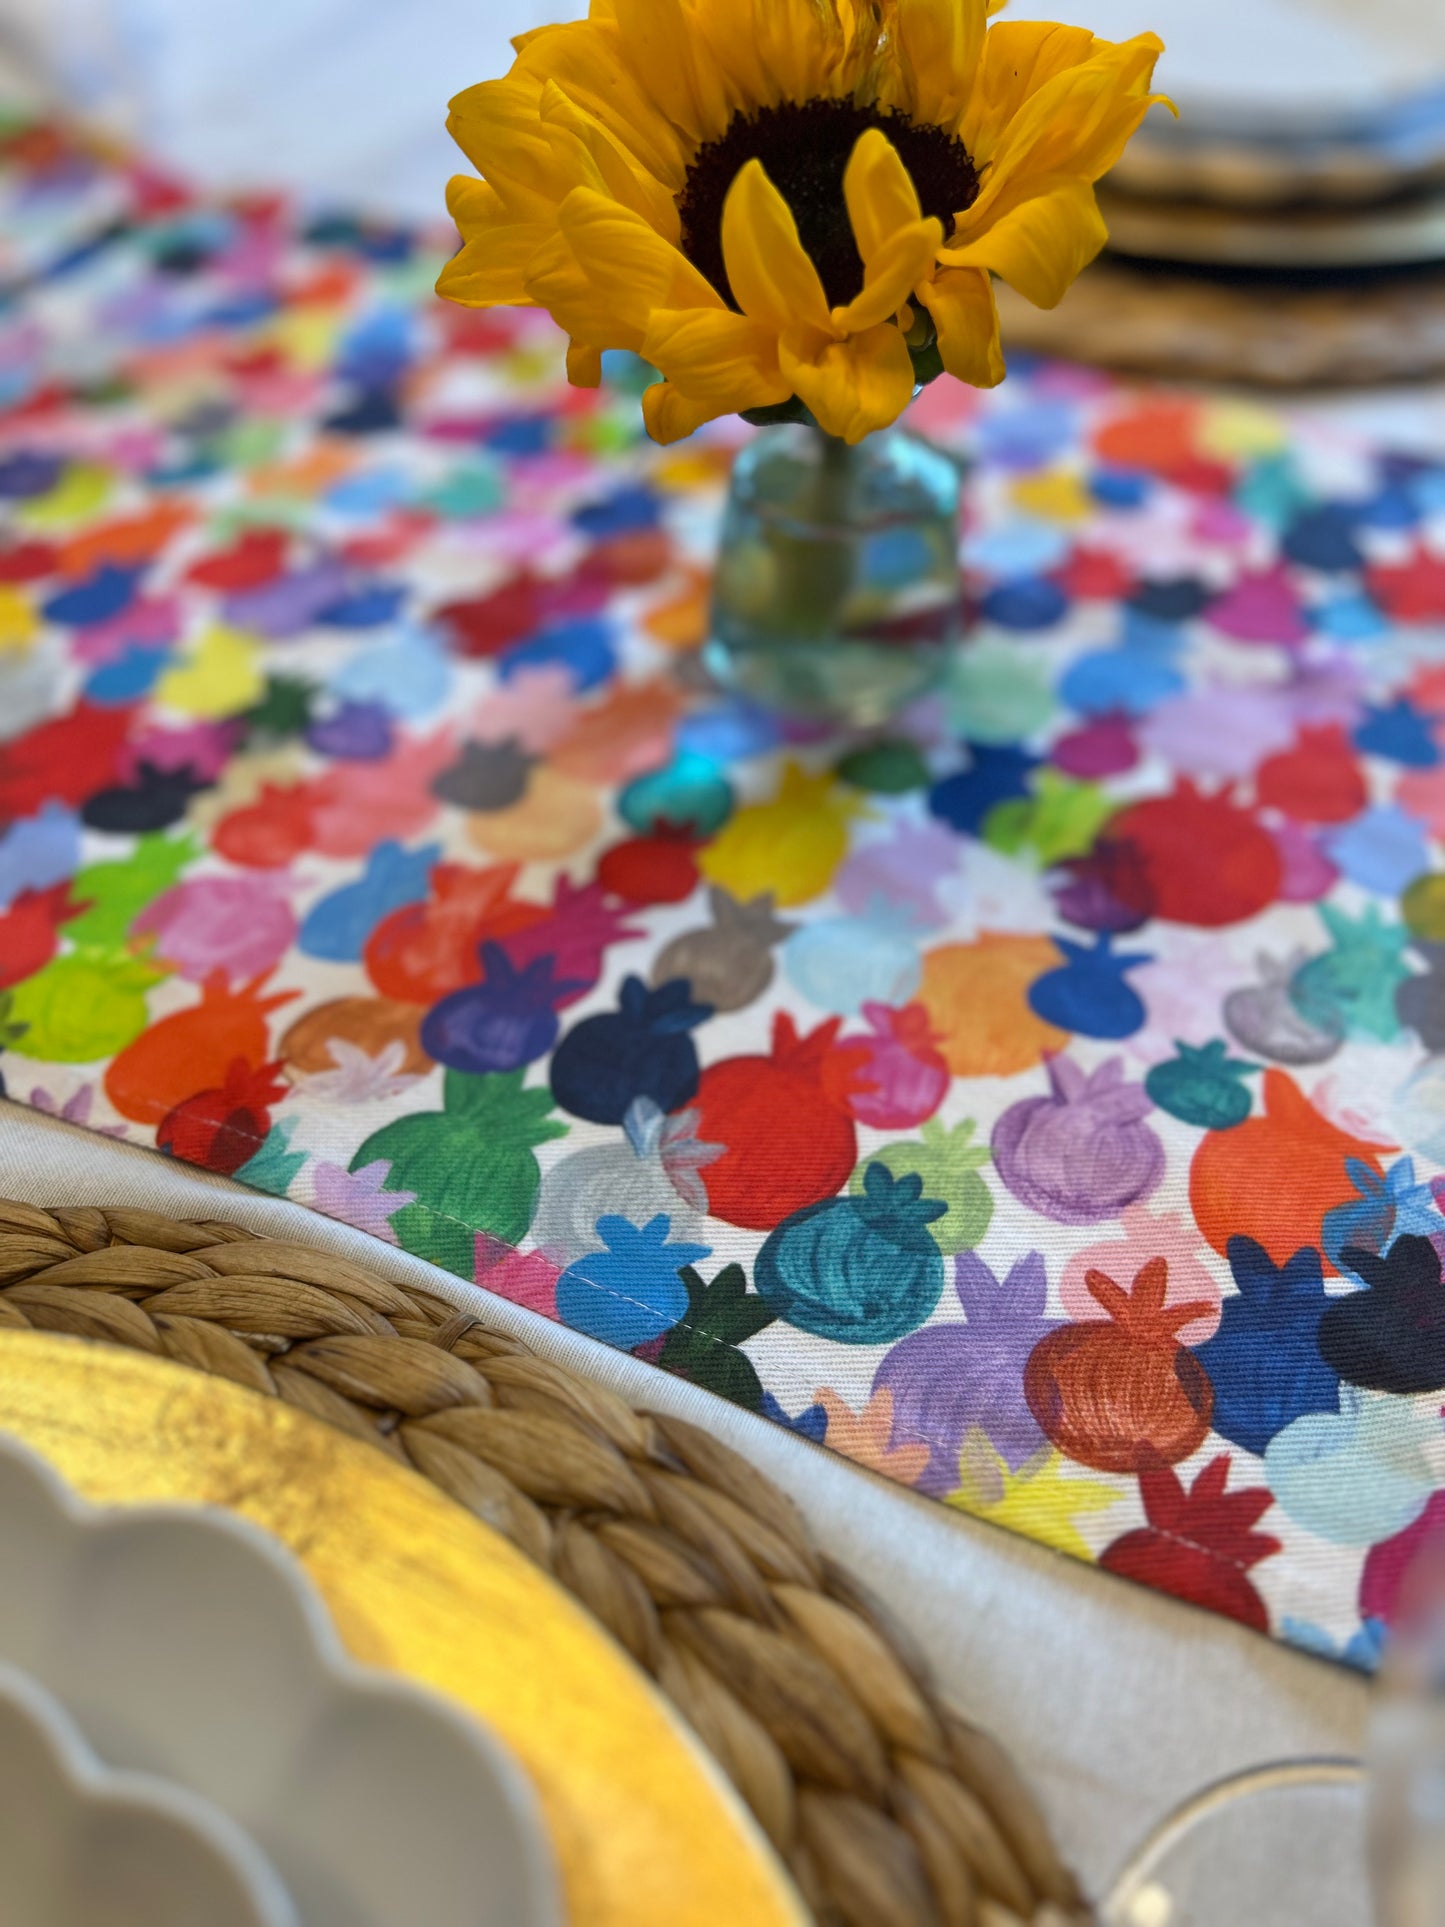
1088 994
500 1024
976 996
1263 1017
1106 890
948 1164
1122 1394
1199 1545
167 1062
576 933
841 963
371 1025
1202 1086
271 832
1273 1178
730 963
28 935
242 925
223 1128
859 1270
791 845
949 1379
1351 986
422 952
1083 1152
1207 861
902 1079
1318 780
1387 1581
658 1167
788 1139
1264 1361
1391 1336
628 1292
642 1049
470 1167
1147 1234
660 867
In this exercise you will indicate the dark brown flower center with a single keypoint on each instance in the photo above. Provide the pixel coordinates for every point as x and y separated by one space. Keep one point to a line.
805 149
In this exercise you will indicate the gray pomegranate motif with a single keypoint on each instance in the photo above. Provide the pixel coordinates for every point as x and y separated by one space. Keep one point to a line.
656 1167
1420 1001
730 963
1263 1017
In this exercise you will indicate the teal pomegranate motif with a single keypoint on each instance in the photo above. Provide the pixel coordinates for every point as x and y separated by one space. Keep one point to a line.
862 1270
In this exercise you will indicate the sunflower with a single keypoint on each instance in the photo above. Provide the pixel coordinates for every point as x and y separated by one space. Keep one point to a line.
789 204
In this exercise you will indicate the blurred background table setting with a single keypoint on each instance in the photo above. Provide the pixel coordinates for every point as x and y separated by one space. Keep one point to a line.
797 1273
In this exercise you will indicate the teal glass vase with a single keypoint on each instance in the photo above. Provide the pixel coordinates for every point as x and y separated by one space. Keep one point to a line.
838 595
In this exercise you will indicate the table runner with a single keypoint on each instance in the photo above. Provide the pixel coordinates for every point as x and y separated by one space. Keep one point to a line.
1036 1103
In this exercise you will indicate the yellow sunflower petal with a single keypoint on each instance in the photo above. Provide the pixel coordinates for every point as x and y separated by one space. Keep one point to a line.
962 305
715 356
1019 57
851 386
936 45
904 260
490 269
497 127
1077 122
668 417
662 49
584 366
606 271
1041 246
616 172
586 59
879 192
777 50
773 280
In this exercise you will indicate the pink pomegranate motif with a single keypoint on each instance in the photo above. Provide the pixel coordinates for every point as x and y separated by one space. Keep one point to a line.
1147 1234
903 1079
241 925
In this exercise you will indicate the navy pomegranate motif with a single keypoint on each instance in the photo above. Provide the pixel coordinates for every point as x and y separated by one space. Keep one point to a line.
642 1049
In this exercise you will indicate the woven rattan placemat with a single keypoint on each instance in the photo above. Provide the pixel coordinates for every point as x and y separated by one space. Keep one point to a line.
887 1807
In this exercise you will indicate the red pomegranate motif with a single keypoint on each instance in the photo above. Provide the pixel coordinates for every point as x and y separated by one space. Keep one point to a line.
660 867
422 952
271 832
1206 861
224 1128
1317 780
788 1140
193 1047
1123 1395
1199 1545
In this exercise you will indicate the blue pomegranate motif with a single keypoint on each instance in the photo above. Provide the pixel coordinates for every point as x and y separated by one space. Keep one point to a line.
1389 1207
1264 1361
629 1293
862 1270
337 926
502 1023
1088 994
642 1049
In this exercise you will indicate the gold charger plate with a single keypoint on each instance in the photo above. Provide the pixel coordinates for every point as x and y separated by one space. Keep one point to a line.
646 1831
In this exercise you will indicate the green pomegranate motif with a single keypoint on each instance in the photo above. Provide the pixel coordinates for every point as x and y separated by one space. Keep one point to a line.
84 1006
471 1165
1203 1086
116 892
948 1163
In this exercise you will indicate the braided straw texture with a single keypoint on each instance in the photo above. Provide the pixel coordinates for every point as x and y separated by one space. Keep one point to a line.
888 1808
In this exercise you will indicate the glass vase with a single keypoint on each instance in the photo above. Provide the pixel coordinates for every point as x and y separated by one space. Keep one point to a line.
838 595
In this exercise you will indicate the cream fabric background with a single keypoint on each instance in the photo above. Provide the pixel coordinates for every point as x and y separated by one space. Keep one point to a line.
1117 1702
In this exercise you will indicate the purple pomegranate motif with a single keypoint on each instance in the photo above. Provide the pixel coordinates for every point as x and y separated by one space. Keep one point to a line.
949 1379
500 1024
1083 1152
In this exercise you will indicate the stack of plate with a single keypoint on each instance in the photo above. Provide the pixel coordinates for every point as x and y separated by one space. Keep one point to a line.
1290 226
184 1741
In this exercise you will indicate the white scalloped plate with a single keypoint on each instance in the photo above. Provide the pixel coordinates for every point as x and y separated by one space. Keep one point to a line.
84 1842
189 1645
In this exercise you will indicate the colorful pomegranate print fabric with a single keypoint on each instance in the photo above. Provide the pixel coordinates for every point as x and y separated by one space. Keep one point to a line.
1043 1103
